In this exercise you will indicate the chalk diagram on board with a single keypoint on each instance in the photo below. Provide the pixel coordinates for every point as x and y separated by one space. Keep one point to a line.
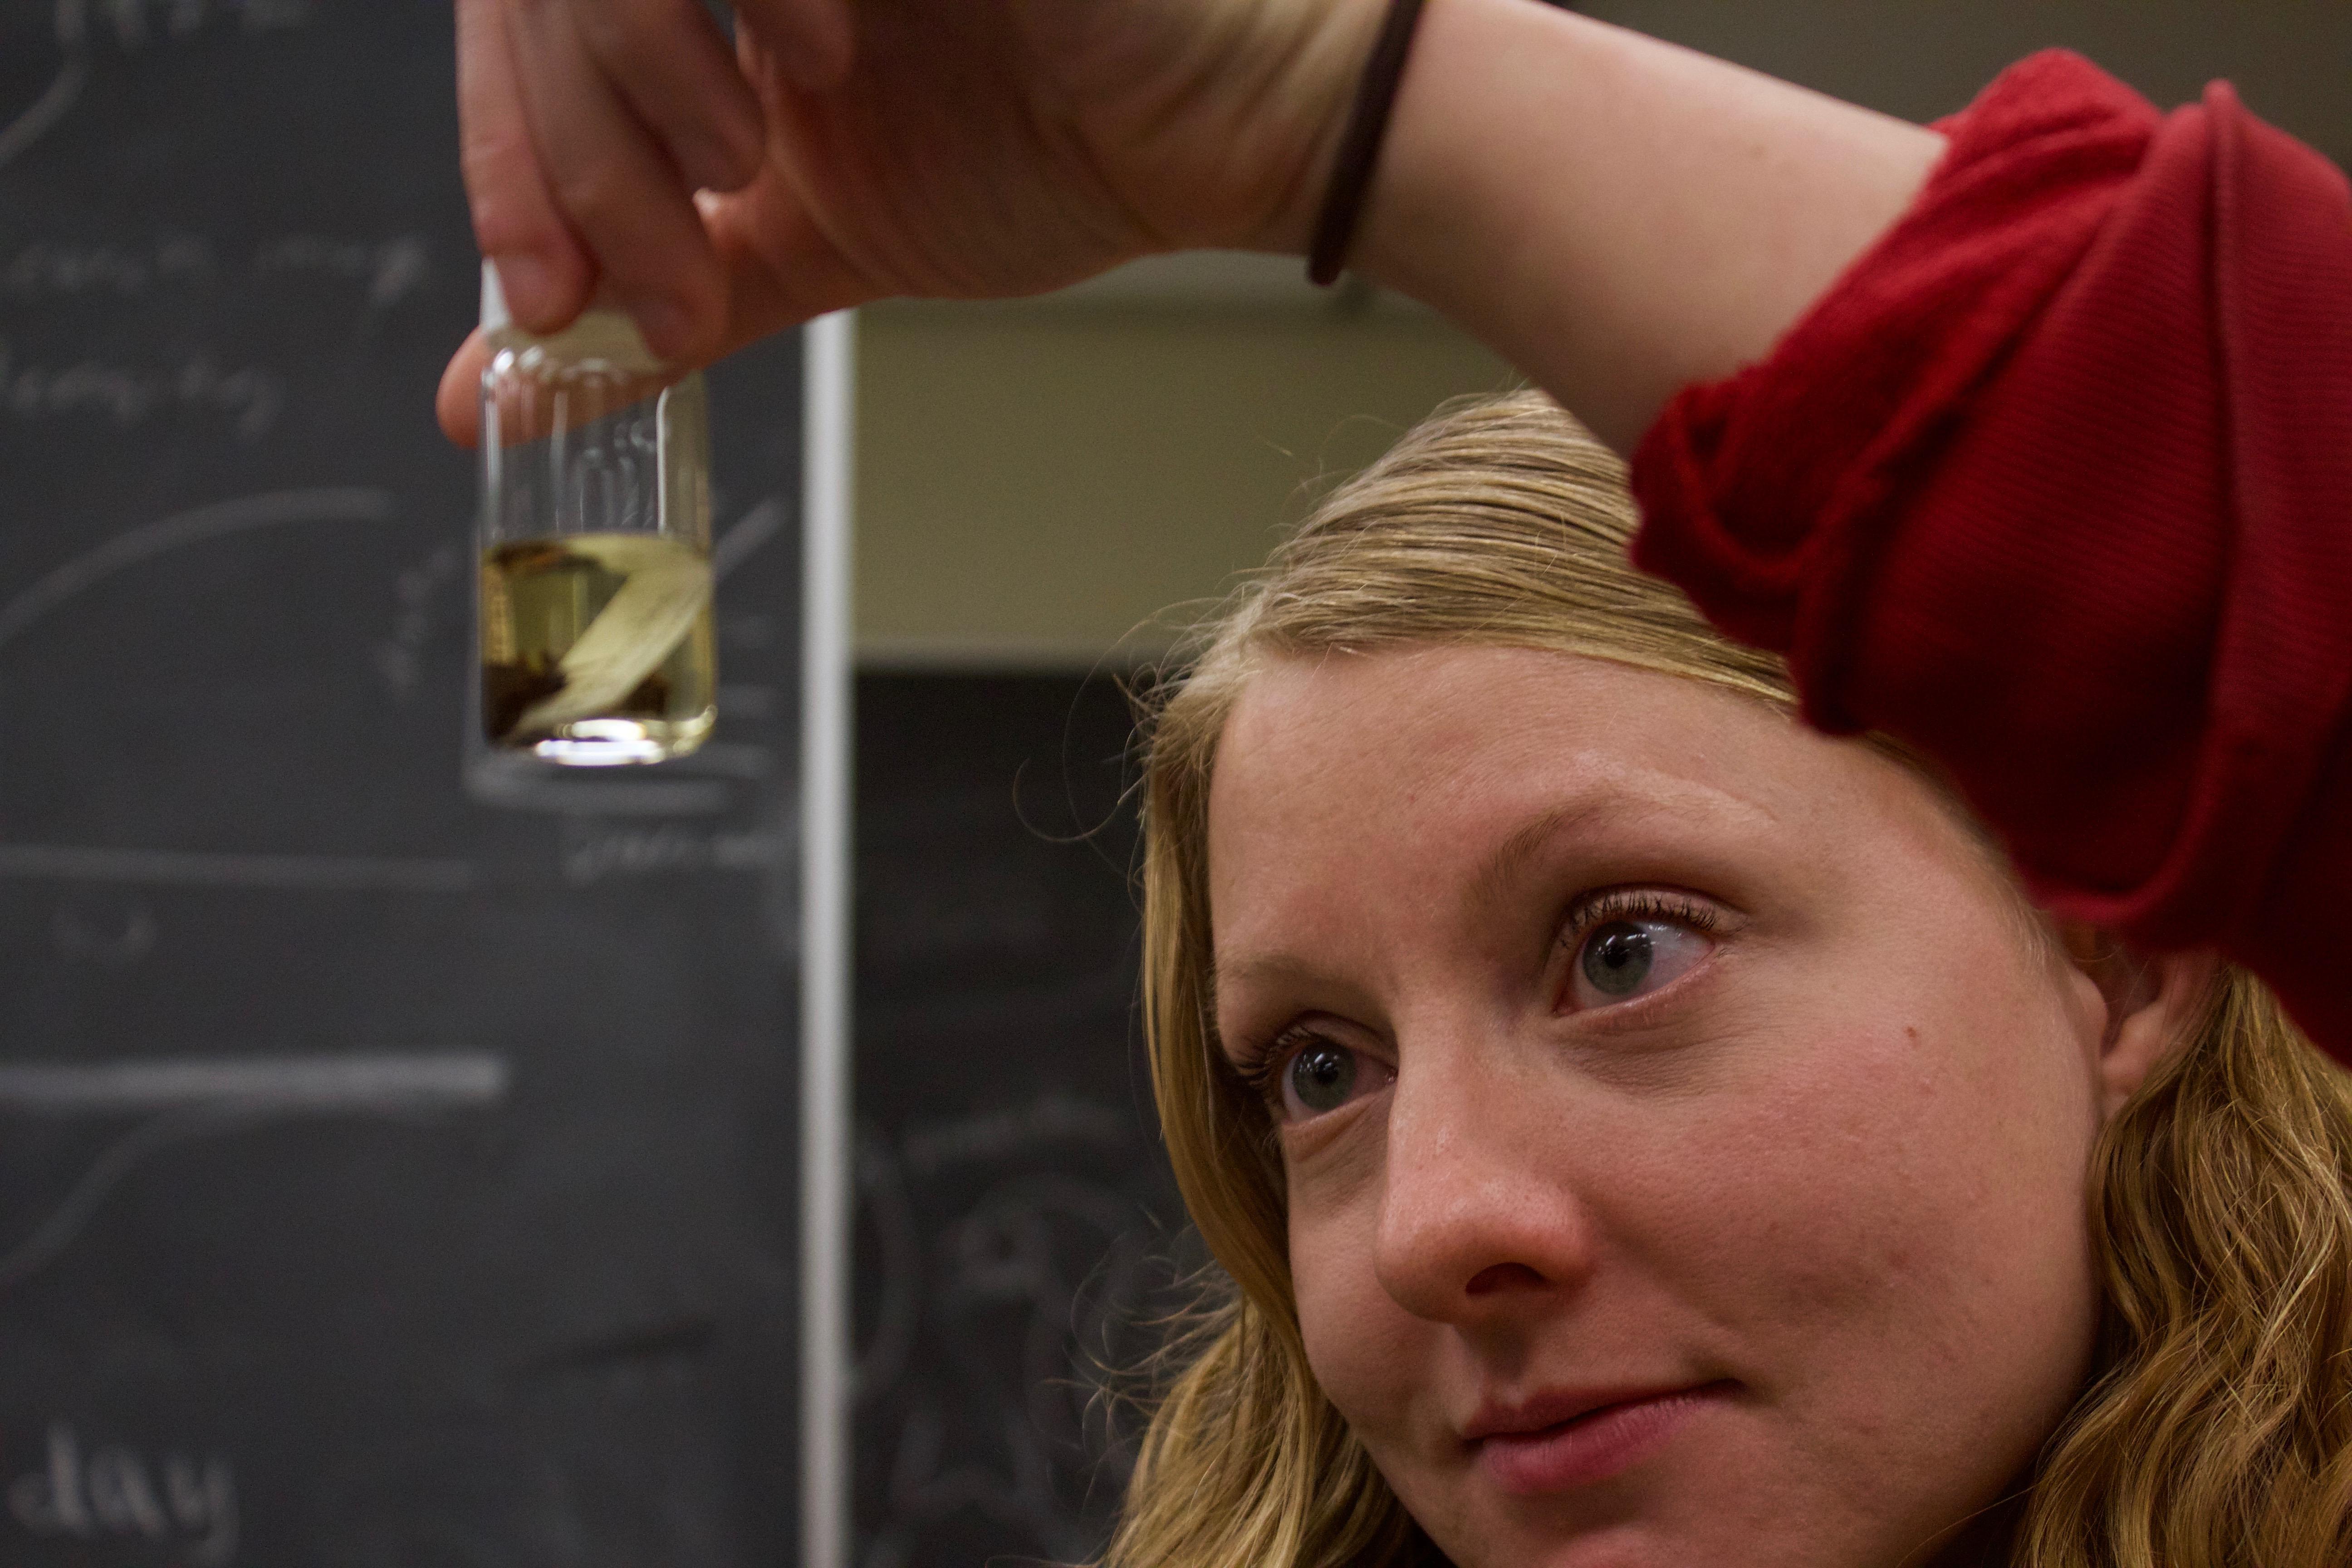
182 1099
26 126
138 546
187 1099
134 24
984 1218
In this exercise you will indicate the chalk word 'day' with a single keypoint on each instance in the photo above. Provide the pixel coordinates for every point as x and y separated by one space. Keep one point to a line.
115 1492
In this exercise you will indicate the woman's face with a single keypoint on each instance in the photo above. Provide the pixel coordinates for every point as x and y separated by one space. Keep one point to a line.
1685 1138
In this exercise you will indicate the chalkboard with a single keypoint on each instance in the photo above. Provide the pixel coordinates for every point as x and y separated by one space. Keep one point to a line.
1019 1230
396 1149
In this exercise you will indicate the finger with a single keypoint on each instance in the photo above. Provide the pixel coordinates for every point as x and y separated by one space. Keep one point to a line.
812 42
616 187
677 71
543 268
781 271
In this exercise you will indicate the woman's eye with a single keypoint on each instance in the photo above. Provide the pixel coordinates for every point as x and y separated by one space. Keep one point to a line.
1621 959
1322 1075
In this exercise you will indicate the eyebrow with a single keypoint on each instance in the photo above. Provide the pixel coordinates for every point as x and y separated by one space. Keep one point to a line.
1505 866
1502 869
1509 861
1599 805
1257 968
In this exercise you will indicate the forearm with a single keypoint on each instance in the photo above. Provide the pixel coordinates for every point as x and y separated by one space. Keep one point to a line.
1616 215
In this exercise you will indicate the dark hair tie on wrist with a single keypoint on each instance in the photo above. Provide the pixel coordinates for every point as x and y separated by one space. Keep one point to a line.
1360 144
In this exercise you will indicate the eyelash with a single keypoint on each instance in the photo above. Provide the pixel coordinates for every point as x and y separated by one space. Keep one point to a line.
1261 1069
1598 909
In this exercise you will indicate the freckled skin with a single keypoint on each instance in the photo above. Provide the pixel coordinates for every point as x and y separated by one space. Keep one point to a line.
1838 1163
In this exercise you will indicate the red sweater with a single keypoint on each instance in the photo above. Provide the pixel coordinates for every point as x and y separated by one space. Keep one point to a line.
2056 483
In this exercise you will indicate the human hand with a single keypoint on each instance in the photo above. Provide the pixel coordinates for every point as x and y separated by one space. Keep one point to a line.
853 150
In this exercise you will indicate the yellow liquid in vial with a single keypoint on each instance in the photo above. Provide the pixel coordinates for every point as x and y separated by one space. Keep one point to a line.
597 648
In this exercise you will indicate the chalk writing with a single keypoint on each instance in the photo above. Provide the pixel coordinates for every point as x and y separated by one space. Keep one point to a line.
386 270
252 396
390 270
400 656
118 1491
48 270
592 852
135 23
1050 1120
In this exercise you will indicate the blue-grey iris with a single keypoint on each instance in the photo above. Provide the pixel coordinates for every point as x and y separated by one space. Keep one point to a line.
1323 1077
1617 958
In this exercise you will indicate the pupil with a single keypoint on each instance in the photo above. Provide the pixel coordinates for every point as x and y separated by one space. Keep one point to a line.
1322 1075
1618 957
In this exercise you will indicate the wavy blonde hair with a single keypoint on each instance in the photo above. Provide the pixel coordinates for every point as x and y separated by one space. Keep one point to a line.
2217 1426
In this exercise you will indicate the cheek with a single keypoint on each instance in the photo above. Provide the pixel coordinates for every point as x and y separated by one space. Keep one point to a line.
1368 1354
1900 1217
1915 1173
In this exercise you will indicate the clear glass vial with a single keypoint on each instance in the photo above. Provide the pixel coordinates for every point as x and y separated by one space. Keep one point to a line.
594 623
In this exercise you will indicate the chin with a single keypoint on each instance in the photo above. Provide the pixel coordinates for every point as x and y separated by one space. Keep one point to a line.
1702 1503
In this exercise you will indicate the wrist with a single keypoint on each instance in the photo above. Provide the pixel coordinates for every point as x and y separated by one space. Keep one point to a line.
1235 148
1327 77
1488 114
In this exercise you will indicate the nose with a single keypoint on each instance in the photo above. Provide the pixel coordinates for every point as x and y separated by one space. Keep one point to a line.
1479 1219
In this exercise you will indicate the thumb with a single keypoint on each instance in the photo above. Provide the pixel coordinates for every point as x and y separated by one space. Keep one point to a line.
458 402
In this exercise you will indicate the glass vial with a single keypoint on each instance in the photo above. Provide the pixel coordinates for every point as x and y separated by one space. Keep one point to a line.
596 628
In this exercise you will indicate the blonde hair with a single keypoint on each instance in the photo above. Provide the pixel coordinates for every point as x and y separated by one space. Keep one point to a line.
2216 1427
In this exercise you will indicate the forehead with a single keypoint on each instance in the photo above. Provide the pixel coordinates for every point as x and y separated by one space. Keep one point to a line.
1442 732
1424 765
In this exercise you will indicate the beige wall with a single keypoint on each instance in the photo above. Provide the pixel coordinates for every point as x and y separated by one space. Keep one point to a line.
1036 482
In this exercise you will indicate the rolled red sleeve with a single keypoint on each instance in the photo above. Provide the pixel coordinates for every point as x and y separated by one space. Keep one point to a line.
2056 484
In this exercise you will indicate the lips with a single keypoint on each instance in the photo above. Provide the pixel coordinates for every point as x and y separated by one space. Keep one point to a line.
1575 1437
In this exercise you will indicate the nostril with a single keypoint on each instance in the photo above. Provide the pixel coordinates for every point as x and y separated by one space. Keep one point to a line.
1501 1277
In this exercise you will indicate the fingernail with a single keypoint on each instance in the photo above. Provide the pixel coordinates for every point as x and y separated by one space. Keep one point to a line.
665 325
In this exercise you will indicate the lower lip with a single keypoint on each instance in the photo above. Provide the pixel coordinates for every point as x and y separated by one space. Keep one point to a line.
1592 1447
